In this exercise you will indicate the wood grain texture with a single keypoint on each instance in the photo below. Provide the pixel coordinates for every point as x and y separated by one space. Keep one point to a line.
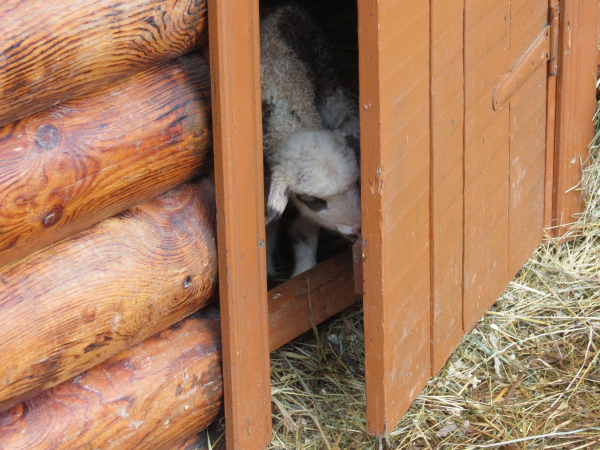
145 387
146 397
322 291
486 160
447 126
528 122
577 59
66 168
235 69
53 50
86 298
395 174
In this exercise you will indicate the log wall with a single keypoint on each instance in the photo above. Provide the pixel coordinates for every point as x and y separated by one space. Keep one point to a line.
53 50
66 168
146 397
74 304
105 404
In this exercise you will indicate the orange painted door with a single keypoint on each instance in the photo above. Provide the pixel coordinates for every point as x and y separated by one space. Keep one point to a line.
452 188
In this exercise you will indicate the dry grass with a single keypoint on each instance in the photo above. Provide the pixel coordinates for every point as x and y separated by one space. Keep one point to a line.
527 377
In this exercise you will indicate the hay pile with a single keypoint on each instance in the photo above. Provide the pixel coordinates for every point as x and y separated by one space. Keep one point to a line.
527 377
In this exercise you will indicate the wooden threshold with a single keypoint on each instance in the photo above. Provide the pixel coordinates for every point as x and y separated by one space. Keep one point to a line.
325 289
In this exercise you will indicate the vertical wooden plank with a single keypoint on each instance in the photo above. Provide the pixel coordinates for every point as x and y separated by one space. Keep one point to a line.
527 137
578 52
395 142
447 124
486 163
554 6
237 119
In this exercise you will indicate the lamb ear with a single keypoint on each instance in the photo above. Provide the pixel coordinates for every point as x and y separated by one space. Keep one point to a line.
279 194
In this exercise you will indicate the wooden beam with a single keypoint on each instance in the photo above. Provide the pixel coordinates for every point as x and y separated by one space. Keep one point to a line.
235 69
321 292
53 50
73 165
71 306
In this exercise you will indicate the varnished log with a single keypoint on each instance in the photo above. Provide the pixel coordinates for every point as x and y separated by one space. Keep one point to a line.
89 158
55 416
68 307
146 397
53 50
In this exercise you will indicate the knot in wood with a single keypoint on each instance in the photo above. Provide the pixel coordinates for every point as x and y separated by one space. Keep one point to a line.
47 137
53 216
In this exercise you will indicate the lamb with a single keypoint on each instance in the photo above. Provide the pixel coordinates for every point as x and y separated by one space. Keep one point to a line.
311 130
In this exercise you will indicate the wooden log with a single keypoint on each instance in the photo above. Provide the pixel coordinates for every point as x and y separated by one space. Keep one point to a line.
72 305
53 50
74 415
144 398
87 159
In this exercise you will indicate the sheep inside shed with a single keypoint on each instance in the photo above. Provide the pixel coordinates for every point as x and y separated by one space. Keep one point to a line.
311 134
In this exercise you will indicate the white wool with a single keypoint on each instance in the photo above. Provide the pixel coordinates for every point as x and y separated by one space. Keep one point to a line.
285 86
305 144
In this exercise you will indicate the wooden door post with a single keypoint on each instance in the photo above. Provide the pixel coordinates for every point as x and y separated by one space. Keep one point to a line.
237 118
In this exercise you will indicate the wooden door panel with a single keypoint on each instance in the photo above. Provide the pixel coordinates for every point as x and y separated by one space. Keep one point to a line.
577 61
394 104
528 119
486 163
452 190
447 123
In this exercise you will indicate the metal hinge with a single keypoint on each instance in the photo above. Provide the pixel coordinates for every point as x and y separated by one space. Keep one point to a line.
544 50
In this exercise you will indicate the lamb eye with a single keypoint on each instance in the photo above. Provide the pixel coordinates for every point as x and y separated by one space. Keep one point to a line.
314 203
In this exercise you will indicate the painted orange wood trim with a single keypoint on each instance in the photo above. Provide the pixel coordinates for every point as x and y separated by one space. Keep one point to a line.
578 56
395 173
528 120
486 160
237 120
534 59
447 139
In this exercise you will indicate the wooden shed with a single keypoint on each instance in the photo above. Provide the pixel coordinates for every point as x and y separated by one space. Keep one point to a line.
475 123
